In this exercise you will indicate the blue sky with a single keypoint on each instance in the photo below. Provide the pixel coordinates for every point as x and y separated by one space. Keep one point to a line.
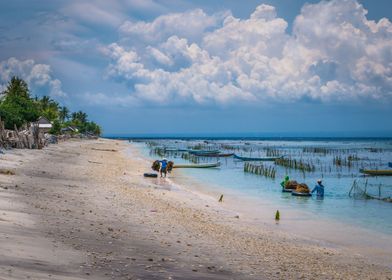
207 67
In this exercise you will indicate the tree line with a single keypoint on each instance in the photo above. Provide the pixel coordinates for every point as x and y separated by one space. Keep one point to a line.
18 108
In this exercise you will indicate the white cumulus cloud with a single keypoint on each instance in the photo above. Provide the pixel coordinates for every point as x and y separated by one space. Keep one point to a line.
37 76
334 53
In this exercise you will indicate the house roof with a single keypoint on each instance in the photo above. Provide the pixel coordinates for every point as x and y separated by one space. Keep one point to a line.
43 120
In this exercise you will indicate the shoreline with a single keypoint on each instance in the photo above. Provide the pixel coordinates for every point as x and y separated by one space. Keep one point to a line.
94 207
299 224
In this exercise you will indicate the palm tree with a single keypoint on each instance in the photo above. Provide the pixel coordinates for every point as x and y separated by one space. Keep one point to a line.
17 87
63 114
82 117
45 101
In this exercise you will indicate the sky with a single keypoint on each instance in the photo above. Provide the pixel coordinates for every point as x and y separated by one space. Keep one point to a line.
207 67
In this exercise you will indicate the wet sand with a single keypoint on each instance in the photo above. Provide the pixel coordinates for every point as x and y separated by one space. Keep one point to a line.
82 210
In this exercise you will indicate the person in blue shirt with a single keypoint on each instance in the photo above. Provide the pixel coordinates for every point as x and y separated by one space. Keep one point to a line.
319 188
163 168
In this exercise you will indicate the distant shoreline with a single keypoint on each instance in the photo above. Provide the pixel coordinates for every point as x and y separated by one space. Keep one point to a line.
249 138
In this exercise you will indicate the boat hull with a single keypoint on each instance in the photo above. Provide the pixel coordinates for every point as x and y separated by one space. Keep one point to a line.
256 159
214 155
376 172
208 165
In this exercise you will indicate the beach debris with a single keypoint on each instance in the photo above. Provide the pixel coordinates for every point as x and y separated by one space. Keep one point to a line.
277 215
96 162
221 198
104 150
7 172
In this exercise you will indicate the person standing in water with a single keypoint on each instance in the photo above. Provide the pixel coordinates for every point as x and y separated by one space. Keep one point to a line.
319 188
284 183
163 167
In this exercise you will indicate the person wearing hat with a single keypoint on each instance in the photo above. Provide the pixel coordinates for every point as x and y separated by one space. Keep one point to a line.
163 168
319 188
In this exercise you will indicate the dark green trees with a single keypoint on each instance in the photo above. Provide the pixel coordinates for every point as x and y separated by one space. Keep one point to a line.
18 108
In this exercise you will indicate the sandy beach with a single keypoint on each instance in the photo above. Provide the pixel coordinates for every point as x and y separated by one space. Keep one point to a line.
83 210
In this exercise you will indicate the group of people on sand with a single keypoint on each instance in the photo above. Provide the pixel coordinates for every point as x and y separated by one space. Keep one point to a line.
318 188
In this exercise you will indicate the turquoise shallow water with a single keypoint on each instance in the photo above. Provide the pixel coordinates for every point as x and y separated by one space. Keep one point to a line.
370 214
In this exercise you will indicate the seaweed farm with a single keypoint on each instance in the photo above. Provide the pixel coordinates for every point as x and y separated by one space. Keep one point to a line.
258 166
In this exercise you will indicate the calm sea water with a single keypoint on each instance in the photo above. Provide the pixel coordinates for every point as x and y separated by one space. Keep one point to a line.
320 155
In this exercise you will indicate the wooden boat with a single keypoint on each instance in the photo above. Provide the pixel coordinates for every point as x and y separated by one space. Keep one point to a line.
203 152
175 150
300 194
202 165
256 159
215 155
387 172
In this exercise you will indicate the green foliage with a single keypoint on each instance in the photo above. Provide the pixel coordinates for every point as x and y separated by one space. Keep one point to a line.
18 108
63 114
56 128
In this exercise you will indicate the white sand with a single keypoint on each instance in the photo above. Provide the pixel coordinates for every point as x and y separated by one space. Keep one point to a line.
79 213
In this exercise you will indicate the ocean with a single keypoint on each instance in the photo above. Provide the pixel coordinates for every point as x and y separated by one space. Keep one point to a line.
337 161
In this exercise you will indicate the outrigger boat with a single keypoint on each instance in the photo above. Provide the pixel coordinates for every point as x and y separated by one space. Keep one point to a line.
202 165
256 159
387 172
215 155
203 152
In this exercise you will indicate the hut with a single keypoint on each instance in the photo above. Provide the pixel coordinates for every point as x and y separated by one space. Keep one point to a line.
44 125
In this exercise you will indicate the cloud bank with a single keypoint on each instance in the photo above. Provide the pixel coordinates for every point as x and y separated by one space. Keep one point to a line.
334 54
38 76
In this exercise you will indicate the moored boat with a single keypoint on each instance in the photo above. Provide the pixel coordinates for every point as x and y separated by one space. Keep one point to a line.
204 152
256 158
387 172
215 155
201 165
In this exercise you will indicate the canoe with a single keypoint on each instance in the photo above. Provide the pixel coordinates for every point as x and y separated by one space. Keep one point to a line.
215 155
390 164
387 172
175 150
256 159
202 165
287 190
203 152
300 194
150 175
